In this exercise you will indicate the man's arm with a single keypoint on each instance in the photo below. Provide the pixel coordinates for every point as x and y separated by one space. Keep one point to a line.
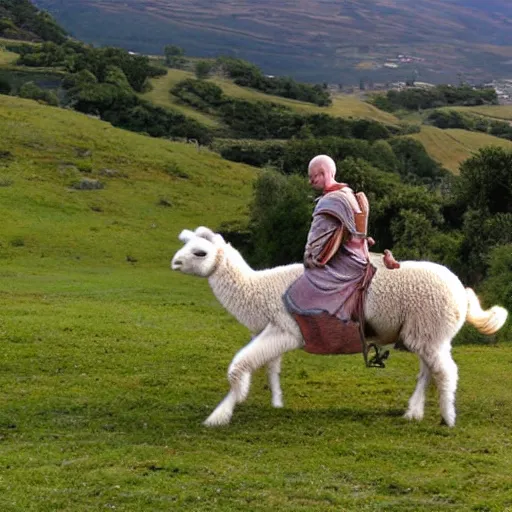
324 238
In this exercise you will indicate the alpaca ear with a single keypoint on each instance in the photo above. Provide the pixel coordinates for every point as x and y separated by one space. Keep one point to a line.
205 233
209 235
186 235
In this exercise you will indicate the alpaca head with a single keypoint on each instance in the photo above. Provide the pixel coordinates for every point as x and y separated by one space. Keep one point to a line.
201 253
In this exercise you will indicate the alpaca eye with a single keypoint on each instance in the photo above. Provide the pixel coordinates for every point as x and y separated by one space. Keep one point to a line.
199 254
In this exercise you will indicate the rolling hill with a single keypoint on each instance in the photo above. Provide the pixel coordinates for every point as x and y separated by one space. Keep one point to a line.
150 189
343 105
313 41
451 147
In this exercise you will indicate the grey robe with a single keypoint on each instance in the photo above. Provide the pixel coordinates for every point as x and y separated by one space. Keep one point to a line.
327 288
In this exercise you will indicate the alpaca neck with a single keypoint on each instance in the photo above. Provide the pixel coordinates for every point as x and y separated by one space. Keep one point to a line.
229 281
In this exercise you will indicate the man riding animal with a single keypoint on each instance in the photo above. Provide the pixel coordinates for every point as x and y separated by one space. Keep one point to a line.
327 300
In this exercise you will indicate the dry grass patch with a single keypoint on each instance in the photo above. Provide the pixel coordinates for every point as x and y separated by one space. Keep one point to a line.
452 147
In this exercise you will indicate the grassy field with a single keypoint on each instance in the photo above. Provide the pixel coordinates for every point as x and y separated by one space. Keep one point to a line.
343 105
7 57
452 147
502 112
160 95
110 361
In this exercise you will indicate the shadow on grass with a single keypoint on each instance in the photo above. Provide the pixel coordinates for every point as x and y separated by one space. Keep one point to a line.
161 419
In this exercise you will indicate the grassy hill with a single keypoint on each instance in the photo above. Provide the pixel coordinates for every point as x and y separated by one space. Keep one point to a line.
7 57
499 112
313 41
343 105
448 147
451 147
46 150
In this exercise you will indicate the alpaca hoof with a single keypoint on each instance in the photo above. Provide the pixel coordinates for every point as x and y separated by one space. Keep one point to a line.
447 423
413 415
278 404
217 419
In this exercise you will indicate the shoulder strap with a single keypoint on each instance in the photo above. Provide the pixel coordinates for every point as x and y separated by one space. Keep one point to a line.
362 218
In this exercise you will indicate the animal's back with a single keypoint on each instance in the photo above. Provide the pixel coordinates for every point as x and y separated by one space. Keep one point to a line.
420 299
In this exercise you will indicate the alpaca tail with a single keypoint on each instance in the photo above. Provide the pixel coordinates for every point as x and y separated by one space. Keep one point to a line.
487 322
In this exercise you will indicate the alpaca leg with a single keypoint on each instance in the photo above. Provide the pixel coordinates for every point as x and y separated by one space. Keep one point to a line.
416 407
243 388
274 370
445 373
267 346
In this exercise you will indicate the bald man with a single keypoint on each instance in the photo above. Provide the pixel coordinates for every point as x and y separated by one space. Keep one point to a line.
327 300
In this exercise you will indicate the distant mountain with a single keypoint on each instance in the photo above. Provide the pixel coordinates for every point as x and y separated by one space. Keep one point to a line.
314 40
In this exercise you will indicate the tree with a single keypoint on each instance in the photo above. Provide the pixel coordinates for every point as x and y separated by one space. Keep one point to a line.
485 182
414 163
498 285
31 91
115 76
203 68
279 219
174 56
412 232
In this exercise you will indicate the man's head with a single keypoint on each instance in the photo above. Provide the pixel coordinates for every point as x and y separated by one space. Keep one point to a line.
321 171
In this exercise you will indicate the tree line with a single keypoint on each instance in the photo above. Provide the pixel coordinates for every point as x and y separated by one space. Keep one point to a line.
247 74
447 118
267 120
418 98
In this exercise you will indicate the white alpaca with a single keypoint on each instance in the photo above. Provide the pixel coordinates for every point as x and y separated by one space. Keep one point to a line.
422 304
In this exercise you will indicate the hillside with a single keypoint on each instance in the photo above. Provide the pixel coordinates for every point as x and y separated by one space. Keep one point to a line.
314 41
152 189
451 147
500 112
22 20
7 57
343 105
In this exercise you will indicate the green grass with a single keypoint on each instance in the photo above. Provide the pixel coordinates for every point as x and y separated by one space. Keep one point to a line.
7 57
343 105
52 148
160 95
108 366
451 147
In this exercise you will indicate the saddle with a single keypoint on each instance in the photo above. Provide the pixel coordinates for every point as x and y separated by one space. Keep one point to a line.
326 334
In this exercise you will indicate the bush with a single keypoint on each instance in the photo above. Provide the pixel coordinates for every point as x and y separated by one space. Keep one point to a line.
279 219
246 74
31 91
203 68
497 288
445 119
200 94
252 152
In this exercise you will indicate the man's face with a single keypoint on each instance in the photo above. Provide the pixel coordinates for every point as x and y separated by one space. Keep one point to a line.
317 178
